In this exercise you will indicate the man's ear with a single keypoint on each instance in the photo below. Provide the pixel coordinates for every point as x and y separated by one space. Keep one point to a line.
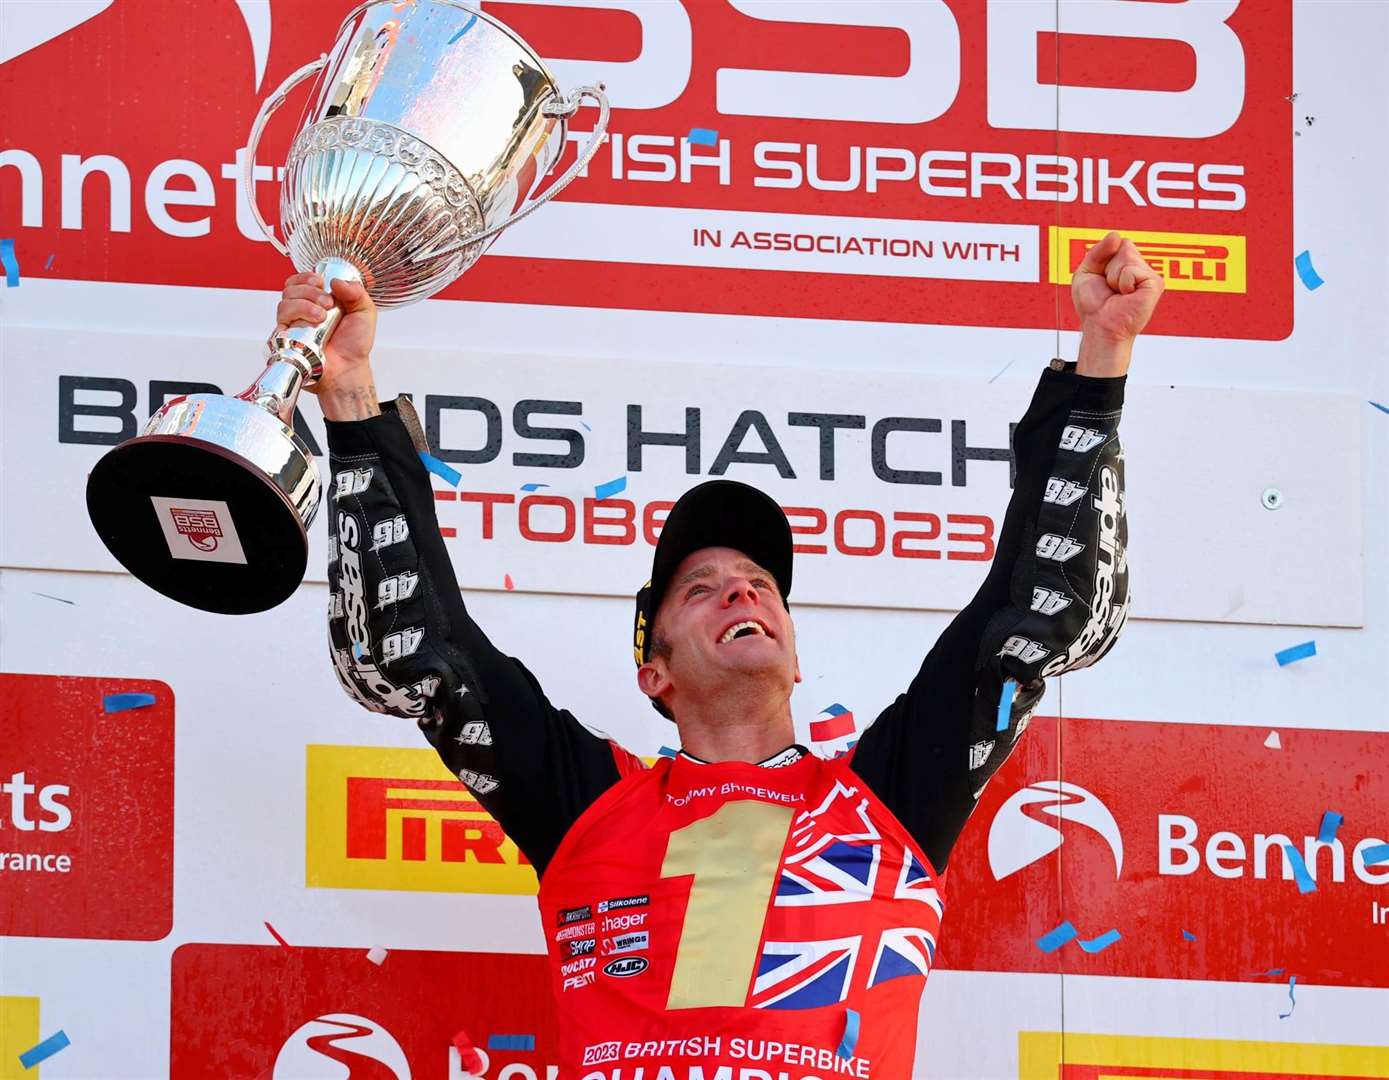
653 679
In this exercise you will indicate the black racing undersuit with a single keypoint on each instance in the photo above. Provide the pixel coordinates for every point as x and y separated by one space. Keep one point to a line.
1055 599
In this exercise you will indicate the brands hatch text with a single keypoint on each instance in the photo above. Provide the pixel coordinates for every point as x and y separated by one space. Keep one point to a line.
806 444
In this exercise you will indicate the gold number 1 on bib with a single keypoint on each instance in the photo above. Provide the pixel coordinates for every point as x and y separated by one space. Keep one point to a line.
733 854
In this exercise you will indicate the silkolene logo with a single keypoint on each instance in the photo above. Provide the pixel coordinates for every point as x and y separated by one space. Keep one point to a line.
86 822
623 902
903 165
1139 835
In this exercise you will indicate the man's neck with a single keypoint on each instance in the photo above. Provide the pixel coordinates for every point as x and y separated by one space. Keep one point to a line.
730 730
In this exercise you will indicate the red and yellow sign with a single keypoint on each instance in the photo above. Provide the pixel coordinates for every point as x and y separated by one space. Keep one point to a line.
86 809
873 162
387 818
1047 1055
1191 262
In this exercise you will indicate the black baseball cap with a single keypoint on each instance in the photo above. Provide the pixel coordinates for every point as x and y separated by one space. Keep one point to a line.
717 513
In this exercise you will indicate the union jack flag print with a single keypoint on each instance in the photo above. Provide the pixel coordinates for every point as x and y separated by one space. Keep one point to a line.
851 910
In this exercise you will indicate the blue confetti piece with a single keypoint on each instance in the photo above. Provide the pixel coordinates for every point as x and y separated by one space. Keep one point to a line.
1305 884
441 469
611 488
122 702
1263 974
1309 277
666 751
466 27
533 487
1099 944
1188 935
511 1042
10 263
1330 822
1381 408
45 1049
585 427
1054 939
703 137
850 1040
49 264
357 651
1005 704
1377 854
1294 653
1292 985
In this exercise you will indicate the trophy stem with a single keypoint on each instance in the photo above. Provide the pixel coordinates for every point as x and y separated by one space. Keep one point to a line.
296 353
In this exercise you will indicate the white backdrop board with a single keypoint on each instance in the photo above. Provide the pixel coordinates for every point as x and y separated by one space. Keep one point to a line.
895 483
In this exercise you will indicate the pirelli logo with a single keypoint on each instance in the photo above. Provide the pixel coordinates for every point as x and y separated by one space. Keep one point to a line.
1194 262
386 818
1042 1055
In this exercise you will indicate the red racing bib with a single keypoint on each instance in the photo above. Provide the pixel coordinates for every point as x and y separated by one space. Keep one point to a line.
730 921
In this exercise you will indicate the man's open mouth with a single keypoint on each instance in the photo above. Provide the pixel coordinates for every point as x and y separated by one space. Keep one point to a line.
746 628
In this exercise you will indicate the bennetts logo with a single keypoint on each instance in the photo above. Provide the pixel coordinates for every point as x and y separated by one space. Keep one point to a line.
1018 836
319 1049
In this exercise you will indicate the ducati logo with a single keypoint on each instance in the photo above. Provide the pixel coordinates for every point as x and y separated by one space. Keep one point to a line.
319 1049
1020 835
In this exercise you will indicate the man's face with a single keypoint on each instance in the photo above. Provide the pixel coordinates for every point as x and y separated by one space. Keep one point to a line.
722 617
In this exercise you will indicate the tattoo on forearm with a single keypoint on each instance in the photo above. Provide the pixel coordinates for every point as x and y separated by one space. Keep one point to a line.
356 403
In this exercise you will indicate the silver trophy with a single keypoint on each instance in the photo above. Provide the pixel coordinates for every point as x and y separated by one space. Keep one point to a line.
433 128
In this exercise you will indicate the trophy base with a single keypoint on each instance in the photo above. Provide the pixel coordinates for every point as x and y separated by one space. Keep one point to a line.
218 527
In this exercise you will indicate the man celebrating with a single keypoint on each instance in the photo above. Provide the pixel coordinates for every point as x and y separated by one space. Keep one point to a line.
745 909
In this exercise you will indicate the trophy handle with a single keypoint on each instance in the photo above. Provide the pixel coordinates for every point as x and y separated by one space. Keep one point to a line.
564 107
267 109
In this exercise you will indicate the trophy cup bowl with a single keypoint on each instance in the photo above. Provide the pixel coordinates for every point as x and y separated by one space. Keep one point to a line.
432 129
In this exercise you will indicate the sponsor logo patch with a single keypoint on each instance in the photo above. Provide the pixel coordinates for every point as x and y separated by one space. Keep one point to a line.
629 921
575 914
626 966
623 902
626 943
199 529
